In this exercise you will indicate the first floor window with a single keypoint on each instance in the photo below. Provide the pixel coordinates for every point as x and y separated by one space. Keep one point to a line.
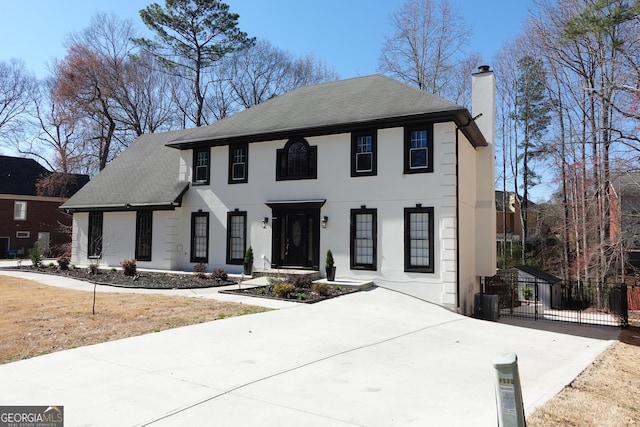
144 227
20 211
236 236
363 239
95 234
418 239
200 237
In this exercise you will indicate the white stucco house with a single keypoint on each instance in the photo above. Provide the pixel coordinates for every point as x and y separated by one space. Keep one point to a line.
398 183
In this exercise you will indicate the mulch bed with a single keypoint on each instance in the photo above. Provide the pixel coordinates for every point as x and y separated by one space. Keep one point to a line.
304 295
143 279
156 280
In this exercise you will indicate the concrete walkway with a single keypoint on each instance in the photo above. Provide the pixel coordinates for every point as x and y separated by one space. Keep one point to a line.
375 358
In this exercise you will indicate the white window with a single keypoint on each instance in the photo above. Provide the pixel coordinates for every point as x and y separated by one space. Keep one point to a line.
20 211
23 234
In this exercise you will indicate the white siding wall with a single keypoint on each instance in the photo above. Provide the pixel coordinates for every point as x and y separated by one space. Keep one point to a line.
119 231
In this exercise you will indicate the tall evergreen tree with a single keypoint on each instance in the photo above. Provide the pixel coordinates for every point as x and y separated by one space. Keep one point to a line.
190 37
532 113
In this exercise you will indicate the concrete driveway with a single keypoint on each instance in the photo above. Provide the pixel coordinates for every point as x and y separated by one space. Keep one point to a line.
374 358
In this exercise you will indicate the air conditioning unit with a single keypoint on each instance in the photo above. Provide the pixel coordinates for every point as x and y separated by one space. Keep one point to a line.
486 307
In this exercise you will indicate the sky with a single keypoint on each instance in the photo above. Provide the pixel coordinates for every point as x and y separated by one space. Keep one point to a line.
346 34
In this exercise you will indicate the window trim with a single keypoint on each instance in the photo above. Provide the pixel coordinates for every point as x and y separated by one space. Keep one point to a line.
230 216
408 267
95 243
282 161
374 153
232 148
192 256
207 152
352 239
140 215
407 149
23 211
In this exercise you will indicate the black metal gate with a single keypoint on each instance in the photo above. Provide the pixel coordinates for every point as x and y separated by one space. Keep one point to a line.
575 302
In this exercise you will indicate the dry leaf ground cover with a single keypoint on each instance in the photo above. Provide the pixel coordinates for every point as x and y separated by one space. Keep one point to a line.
37 319
606 394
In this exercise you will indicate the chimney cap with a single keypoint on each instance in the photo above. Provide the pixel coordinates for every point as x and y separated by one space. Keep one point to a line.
484 69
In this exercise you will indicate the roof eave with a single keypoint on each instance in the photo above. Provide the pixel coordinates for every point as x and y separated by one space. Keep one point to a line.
123 207
461 118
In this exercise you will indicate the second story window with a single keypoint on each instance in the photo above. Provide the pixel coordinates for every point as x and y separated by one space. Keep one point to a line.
201 162
418 149
363 153
297 160
238 163
20 211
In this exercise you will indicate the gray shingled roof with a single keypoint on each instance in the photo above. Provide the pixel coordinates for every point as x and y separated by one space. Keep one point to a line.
627 184
144 175
540 274
321 108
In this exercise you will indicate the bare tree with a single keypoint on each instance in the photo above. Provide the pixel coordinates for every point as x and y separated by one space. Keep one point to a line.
17 88
264 71
60 141
427 47
145 106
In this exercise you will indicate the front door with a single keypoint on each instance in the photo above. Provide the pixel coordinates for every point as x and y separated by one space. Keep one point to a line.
297 240
295 235
4 247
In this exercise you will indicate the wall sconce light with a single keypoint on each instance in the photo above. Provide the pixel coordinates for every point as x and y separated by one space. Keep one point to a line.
325 219
265 222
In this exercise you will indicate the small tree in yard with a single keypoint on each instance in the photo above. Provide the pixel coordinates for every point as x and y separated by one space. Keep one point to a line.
35 255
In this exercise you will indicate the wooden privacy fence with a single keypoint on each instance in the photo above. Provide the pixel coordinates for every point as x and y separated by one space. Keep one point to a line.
633 298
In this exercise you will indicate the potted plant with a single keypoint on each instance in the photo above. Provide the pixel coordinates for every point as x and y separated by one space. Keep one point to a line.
330 267
527 293
248 261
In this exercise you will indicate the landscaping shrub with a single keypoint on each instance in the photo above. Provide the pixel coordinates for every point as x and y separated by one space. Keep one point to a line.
320 288
201 270
299 280
63 263
219 274
129 267
283 289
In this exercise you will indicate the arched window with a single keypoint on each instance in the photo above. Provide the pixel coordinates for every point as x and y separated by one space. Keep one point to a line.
297 160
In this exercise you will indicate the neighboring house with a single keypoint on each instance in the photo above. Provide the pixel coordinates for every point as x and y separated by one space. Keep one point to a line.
549 286
27 216
508 218
396 182
624 208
